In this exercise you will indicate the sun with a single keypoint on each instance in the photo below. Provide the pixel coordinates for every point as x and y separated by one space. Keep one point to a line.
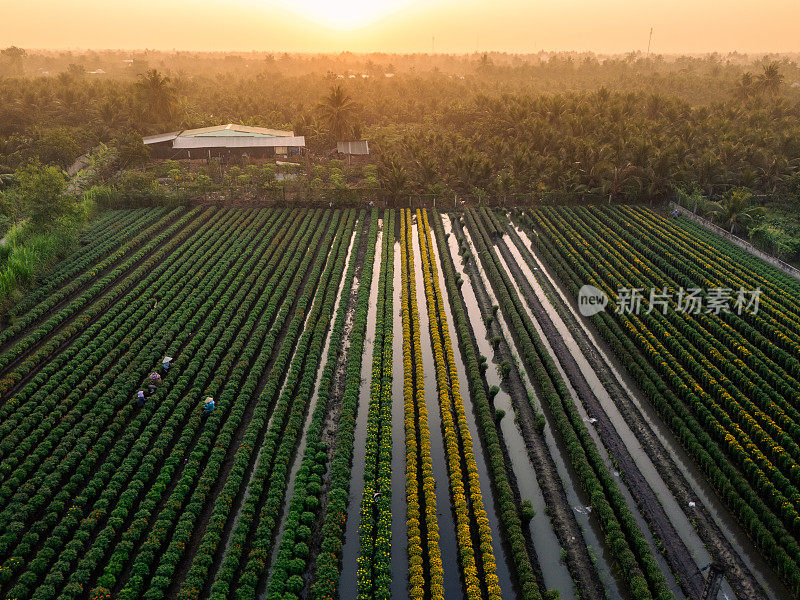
345 15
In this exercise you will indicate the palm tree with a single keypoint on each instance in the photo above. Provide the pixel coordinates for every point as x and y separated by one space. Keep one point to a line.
338 109
393 179
736 208
156 93
746 86
771 79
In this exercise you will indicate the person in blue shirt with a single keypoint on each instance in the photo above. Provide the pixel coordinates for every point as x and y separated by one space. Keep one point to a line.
208 407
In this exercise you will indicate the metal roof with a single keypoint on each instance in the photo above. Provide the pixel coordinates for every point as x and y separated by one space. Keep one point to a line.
228 136
231 129
182 142
355 148
161 137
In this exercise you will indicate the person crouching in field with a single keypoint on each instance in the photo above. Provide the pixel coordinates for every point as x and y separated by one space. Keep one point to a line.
140 399
153 382
208 408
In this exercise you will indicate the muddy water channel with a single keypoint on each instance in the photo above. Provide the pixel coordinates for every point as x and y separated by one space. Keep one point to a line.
298 457
453 586
696 490
348 581
575 496
590 420
554 572
489 501
399 531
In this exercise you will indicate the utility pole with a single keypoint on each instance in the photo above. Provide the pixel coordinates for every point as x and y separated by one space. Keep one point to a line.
649 41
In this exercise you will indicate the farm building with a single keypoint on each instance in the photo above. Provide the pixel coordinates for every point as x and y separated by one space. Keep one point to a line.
359 148
225 140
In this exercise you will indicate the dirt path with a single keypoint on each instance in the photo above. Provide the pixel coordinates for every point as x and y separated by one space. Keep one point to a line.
579 562
741 579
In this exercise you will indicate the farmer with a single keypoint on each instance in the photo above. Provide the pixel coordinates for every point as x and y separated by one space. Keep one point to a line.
165 363
140 399
675 214
208 407
153 381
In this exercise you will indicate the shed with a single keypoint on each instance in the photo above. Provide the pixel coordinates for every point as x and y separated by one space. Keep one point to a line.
359 148
225 140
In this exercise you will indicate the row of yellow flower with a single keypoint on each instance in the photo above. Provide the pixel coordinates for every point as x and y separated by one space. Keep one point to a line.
508 509
713 265
735 466
711 392
466 491
419 472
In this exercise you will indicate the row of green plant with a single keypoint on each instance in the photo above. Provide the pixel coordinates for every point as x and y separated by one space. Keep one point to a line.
104 543
142 262
48 401
290 568
748 354
426 574
623 537
510 513
35 406
375 528
260 511
101 239
334 518
644 356
779 304
725 253
154 564
145 241
275 257
778 308
99 476
770 407
754 434
473 533
65 409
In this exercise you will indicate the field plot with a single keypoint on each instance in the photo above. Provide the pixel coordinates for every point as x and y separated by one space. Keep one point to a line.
408 404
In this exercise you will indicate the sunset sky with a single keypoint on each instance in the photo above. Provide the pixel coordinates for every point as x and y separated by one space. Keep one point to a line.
610 26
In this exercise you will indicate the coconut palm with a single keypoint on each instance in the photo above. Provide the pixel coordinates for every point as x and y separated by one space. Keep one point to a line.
771 79
337 110
746 86
157 94
393 179
737 208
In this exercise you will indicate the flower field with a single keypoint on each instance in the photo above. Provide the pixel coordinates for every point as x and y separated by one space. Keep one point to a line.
276 313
